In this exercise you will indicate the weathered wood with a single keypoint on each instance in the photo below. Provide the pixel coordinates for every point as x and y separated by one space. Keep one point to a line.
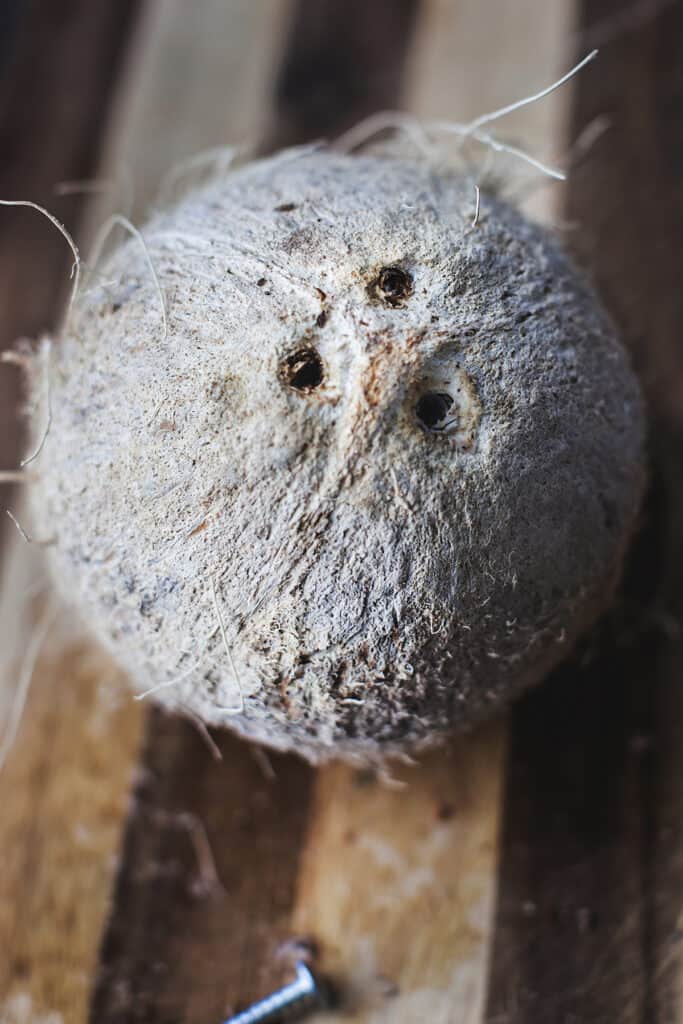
569 931
63 792
342 62
460 68
207 879
589 916
199 82
64 787
396 885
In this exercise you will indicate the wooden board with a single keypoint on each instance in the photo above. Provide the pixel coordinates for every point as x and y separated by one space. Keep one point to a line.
63 795
64 790
420 907
592 851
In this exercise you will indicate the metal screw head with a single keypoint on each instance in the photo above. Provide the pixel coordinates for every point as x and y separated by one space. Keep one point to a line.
291 1002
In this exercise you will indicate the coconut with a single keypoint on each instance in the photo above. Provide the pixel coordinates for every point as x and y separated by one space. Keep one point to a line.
360 472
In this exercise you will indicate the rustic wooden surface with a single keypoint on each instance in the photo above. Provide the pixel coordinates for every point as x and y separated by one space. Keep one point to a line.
341 63
207 879
592 853
63 795
219 863
64 790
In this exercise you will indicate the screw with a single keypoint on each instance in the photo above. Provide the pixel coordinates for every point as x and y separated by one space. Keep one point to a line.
296 998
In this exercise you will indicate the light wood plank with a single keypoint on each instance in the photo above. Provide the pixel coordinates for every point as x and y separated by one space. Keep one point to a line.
63 792
397 884
472 58
200 81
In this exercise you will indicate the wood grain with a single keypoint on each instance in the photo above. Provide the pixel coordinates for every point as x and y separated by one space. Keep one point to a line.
222 861
589 923
342 61
64 788
197 83
460 69
397 882
63 792
207 879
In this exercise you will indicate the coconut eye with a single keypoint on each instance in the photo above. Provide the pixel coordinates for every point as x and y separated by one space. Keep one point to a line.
394 285
302 370
433 411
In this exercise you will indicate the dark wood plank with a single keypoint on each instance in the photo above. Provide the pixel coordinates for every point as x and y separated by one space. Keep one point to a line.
55 92
592 851
10 18
207 880
167 955
343 61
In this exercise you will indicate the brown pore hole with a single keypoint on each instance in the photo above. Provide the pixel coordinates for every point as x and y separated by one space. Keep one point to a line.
393 285
432 411
303 370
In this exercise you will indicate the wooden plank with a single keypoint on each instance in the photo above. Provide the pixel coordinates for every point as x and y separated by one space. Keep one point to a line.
198 83
589 916
569 931
397 883
460 69
342 62
204 895
64 787
63 792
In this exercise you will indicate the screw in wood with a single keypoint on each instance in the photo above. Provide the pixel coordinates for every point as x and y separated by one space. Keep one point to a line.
293 1000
